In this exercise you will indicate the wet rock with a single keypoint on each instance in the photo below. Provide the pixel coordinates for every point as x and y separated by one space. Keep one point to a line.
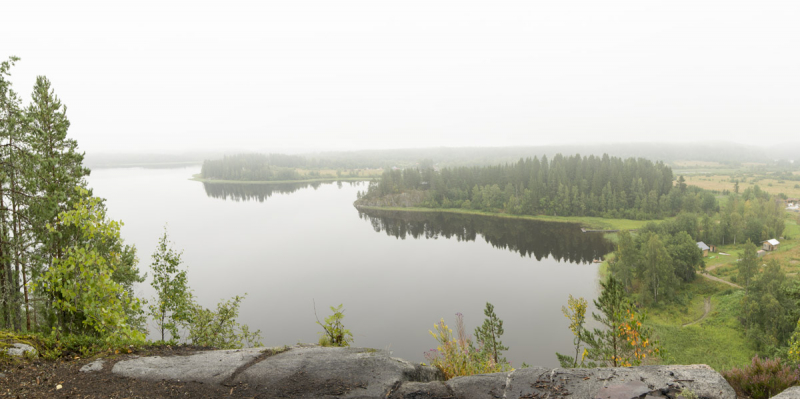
96 365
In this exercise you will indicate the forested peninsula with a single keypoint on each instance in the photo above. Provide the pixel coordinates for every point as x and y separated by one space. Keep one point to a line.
608 187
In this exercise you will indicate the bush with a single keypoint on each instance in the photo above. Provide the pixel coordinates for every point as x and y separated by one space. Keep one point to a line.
763 378
458 356
335 334
219 329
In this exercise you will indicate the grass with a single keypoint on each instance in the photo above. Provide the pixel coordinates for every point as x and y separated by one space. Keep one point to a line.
717 341
588 222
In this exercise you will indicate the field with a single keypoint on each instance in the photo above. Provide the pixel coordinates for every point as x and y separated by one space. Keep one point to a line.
720 182
697 164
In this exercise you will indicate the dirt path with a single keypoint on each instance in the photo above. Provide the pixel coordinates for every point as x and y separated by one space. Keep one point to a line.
710 277
705 313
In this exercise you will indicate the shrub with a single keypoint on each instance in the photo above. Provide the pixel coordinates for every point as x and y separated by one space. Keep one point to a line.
219 329
763 378
334 332
458 356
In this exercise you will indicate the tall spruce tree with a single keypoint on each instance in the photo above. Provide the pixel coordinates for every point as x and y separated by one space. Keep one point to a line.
57 169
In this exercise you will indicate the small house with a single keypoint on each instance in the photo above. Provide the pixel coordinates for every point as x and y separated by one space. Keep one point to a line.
703 247
792 201
770 245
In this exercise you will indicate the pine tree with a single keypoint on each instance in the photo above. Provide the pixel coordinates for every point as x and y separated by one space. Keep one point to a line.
489 335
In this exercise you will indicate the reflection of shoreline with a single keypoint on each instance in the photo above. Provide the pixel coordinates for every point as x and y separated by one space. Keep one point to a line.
259 192
561 241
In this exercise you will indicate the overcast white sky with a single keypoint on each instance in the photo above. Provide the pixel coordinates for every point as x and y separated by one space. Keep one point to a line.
317 75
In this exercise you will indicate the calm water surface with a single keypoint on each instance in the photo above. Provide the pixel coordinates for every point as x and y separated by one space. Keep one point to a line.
397 273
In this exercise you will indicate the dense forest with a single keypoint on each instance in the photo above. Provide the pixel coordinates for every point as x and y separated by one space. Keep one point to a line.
564 186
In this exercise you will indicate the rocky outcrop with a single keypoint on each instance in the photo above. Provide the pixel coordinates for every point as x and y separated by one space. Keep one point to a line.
406 199
317 372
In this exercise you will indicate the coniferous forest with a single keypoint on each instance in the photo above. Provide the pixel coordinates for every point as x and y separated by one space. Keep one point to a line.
564 186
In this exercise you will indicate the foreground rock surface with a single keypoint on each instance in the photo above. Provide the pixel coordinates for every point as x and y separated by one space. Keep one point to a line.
316 372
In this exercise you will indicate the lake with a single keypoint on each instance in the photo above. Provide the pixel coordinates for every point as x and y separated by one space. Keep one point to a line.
397 273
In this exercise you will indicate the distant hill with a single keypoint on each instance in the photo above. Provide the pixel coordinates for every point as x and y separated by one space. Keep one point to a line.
726 154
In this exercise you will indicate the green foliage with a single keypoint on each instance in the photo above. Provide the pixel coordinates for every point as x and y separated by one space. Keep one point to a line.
626 341
794 345
576 313
334 333
748 264
173 304
488 335
80 283
659 260
770 308
457 355
219 329
762 378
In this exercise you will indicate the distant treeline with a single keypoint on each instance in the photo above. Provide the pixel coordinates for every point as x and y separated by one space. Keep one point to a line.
265 167
728 155
634 188
253 167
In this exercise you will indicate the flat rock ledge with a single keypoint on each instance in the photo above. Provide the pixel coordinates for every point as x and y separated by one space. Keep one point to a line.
318 372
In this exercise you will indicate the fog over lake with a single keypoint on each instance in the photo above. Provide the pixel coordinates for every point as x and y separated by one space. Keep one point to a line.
396 273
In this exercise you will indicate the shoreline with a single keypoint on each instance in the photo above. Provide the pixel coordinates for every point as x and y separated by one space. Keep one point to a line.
586 221
315 180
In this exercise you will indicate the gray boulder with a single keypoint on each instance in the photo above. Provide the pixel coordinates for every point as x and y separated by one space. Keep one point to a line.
18 349
211 367
791 393
650 382
319 372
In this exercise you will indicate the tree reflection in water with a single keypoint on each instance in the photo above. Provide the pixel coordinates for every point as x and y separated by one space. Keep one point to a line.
561 241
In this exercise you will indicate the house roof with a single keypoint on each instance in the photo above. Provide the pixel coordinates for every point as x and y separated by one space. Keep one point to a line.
773 241
702 246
